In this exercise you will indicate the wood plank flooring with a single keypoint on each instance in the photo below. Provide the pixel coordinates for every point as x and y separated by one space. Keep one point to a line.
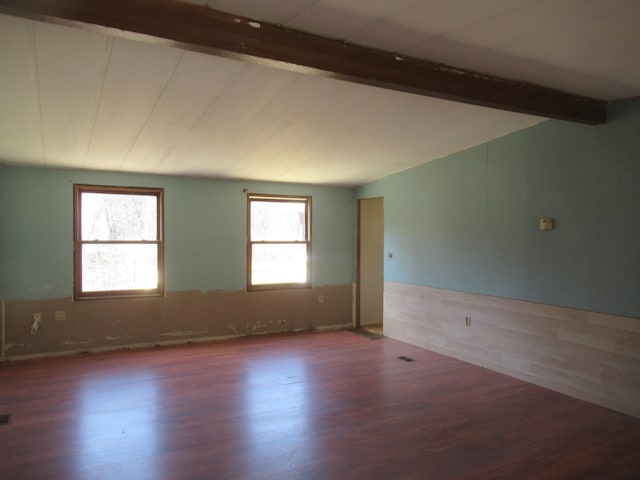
331 405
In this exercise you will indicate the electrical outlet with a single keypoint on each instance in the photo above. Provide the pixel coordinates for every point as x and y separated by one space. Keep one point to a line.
320 298
467 321
61 315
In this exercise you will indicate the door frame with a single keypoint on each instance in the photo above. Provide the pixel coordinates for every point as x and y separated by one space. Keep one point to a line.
358 255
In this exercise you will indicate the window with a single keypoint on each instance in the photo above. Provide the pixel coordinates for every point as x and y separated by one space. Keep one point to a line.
118 241
279 242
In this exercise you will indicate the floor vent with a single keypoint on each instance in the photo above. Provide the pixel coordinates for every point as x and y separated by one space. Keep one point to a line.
6 419
406 359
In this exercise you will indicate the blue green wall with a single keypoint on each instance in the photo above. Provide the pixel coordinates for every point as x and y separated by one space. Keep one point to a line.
205 230
468 222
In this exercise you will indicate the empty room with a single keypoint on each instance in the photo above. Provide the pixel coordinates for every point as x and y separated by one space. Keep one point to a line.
312 239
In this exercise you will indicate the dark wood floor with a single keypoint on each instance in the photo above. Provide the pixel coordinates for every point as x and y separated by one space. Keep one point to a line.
330 405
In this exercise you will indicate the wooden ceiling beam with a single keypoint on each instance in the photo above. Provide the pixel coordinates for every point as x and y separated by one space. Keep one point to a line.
204 29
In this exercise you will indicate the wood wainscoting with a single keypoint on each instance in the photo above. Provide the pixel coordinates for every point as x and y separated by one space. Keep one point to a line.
588 355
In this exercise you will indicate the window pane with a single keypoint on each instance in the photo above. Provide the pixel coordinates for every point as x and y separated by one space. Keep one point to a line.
119 267
278 264
108 216
278 221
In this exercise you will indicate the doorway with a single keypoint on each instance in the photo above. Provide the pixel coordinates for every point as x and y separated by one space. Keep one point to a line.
370 273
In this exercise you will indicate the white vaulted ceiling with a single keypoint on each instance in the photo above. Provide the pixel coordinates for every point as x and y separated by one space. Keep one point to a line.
80 98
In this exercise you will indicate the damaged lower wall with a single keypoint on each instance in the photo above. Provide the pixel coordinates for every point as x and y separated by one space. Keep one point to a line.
177 317
205 231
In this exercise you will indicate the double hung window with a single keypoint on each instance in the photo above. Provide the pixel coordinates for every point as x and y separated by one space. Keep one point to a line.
118 241
279 243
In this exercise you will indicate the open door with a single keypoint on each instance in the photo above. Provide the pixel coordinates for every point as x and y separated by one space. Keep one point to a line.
370 279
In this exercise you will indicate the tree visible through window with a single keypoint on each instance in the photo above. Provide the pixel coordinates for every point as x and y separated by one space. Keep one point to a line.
279 246
118 241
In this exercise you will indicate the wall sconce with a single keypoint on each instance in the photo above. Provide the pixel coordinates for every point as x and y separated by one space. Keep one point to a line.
545 224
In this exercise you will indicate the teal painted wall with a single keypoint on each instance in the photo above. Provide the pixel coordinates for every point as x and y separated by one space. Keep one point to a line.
205 230
468 222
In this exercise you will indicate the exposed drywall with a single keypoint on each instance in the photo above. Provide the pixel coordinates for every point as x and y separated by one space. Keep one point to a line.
592 356
469 222
177 317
